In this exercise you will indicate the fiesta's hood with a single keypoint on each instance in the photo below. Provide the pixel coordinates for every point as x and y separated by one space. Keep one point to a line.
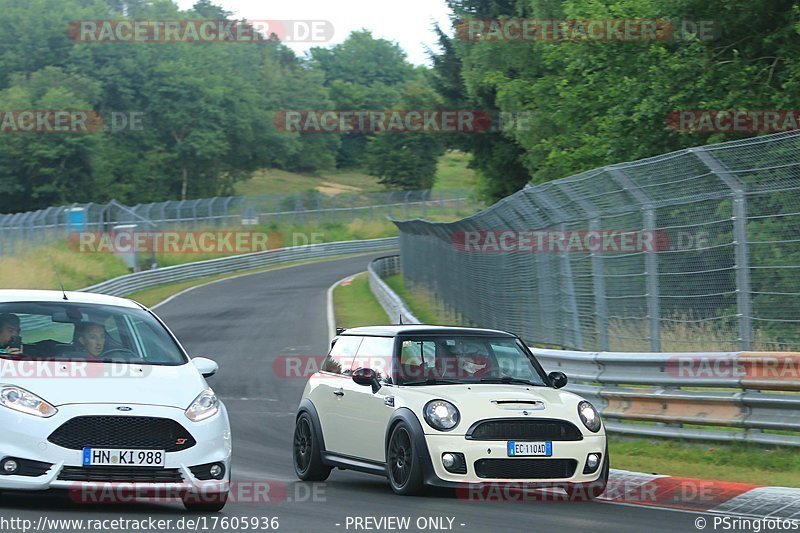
62 383
481 401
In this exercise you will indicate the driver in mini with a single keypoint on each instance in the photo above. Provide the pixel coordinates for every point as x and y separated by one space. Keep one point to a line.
92 337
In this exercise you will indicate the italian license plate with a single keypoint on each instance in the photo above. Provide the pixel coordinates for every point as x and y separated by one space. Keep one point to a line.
118 457
530 449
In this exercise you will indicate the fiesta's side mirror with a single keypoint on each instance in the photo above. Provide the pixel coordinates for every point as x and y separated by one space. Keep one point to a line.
205 366
558 379
367 376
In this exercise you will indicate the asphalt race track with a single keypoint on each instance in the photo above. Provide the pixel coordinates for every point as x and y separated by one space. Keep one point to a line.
244 324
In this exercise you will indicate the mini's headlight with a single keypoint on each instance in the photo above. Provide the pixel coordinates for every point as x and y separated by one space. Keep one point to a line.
26 402
441 415
204 406
589 416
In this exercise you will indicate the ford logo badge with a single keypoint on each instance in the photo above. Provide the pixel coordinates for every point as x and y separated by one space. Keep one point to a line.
124 408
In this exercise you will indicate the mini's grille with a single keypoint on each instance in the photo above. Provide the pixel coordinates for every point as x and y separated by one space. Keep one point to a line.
533 429
525 468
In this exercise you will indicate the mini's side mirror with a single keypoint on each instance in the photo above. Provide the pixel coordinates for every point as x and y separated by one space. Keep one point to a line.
558 379
367 376
205 366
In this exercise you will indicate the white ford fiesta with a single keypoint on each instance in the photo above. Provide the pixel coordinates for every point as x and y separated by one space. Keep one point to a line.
449 407
97 396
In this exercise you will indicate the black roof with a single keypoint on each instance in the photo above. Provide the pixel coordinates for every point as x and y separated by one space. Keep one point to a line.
424 329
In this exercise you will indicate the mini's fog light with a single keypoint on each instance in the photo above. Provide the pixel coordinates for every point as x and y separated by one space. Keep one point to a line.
217 471
10 466
454 462
592 463
448 460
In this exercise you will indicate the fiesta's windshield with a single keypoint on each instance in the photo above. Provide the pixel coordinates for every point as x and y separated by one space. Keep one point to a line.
65 331
441 360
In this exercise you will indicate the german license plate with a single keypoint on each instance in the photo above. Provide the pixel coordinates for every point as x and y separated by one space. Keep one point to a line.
118 457
530 449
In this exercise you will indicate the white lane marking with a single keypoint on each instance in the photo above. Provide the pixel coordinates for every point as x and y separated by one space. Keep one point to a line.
331 317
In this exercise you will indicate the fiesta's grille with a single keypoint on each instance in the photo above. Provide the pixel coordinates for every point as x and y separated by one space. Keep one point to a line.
525 468
533 429
130 432
120 474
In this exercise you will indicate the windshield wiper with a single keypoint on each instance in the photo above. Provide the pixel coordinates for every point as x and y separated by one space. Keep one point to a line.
433 381
509 379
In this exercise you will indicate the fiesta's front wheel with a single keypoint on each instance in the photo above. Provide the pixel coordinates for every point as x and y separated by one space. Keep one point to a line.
403 462
307 455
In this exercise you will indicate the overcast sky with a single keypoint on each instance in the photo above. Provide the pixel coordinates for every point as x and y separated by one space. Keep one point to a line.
408 22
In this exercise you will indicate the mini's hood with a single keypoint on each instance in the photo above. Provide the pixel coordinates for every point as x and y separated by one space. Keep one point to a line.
482 401
62 383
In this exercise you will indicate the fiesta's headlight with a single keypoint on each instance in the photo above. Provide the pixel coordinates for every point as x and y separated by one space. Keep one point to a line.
589 416
204 406
26 402
441 415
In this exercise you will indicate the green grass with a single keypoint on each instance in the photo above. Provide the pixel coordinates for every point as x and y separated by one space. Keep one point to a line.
421 303
451 173
743 463
355 306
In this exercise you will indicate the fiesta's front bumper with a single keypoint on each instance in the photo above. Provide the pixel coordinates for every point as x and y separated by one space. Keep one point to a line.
25 437
478 454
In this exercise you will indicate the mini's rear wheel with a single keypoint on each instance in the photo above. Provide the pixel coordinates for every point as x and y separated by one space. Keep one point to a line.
306 451
404 466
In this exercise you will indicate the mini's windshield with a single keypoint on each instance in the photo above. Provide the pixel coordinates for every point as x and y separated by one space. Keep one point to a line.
442 360
65 331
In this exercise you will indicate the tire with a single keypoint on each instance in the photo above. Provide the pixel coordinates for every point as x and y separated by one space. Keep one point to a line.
306 454
205 503
403 463
592 490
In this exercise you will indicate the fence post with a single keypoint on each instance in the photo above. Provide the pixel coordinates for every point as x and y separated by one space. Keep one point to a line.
742 253
650 259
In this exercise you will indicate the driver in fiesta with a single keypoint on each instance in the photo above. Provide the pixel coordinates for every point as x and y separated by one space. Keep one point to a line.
92 337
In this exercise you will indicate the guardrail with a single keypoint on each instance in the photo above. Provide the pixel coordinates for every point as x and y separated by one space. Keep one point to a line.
147 279
715 396
394 306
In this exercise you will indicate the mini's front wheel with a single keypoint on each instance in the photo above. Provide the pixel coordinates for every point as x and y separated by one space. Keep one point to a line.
306 452
403 462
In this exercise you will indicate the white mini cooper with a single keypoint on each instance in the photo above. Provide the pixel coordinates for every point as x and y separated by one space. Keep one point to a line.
449 407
